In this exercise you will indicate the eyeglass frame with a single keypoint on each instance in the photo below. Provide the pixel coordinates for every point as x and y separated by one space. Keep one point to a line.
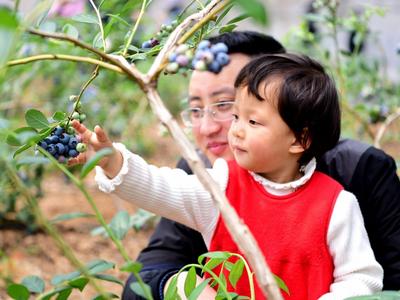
207 109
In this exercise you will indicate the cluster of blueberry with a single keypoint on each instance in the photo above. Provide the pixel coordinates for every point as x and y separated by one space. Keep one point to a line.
164 31
206 57
62 145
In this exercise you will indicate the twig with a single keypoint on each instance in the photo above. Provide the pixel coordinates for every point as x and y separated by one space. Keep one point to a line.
389 120
100 24
132 34
39 57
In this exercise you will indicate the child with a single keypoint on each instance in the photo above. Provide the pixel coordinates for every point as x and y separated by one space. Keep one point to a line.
309 229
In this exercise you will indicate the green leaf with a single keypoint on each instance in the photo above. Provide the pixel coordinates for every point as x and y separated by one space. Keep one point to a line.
223 14
172 290
71 216
89 165
119 19
21 149
56 280
108 296
36 119
190 281
12 139
79 283
120 224
197 291
85 18
99 265
35 284
238 19
98 41
227 28
136 287
384 295
64 294
32 160
18 291
216 254
71 31
108 277
8 33
58 290
131 267
254 9
281 284
33 141
213 262
236 272
59 116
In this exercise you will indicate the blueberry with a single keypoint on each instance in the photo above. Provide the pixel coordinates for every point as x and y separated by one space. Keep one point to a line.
60 148
146 45
62 159
43 144
182 60
70 130
208 57
82 117
54 139
64 138
73 153
204 44
182 48
73 141
154 42
214 67
47 140
222 58
75 115
219 47
81 147
200 66
172 68
51 149
172 57
58 130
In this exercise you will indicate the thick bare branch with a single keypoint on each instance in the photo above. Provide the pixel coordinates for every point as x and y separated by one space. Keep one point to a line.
389 120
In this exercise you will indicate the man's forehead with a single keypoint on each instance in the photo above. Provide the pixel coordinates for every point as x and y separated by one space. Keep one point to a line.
224 90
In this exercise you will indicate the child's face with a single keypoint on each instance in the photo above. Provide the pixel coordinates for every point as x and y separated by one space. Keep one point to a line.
259 138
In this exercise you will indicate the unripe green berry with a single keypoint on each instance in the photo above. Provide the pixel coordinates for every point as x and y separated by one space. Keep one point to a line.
75 115
70 130
172 67
81 147
73 98
182 49
82 117
200 66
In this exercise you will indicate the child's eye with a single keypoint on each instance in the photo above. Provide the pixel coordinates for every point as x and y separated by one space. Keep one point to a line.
252 122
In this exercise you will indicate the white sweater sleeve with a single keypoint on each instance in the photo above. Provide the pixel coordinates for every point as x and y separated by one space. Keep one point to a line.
356 272
167 192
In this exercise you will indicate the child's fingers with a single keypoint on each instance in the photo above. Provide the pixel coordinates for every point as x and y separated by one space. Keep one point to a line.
79 127
101 135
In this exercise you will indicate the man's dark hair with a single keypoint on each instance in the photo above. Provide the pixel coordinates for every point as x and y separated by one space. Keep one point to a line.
307 99
249 43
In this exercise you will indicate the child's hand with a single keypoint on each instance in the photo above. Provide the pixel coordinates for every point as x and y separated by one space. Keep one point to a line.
95 141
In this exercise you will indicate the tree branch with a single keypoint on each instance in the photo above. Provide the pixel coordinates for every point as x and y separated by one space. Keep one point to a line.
89 60
389 120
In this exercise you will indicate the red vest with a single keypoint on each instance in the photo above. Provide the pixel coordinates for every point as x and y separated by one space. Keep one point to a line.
291 231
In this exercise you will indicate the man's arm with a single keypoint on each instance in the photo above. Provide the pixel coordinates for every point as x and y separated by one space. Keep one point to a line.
370 174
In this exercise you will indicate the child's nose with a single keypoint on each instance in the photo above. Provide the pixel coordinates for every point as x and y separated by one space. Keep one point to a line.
237 129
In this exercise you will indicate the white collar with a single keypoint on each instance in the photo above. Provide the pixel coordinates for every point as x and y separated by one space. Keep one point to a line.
288 187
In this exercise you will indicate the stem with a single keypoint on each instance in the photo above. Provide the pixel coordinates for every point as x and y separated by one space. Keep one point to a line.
87 83
135 26
60 242
100 24
89 60
389 120
249 274
16 6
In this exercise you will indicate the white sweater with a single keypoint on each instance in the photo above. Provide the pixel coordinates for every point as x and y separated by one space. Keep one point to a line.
173 194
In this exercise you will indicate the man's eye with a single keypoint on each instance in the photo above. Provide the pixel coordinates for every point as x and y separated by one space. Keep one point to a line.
195 112
224 106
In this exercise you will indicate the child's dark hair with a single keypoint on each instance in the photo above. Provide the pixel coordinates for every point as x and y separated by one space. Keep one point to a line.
250 43
307 98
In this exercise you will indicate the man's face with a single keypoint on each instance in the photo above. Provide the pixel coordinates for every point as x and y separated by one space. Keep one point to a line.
207 88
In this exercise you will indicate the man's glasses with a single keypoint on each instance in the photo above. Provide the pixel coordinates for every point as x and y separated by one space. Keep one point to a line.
219 112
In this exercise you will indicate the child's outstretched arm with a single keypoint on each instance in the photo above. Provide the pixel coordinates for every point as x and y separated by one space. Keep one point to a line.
97 140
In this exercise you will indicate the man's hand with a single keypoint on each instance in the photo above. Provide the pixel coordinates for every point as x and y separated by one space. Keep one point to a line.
97 140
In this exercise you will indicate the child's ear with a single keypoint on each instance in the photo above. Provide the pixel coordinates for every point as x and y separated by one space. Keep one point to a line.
298 146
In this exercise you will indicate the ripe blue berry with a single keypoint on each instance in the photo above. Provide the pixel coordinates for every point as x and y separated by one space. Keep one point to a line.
146 45
204 44
214 67
64 138
73 142
58 130
51 149
73 153
60 148
222 58
54 139
219 47
43 144
182 60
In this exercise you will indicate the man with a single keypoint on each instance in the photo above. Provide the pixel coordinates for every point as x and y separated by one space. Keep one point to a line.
367 172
